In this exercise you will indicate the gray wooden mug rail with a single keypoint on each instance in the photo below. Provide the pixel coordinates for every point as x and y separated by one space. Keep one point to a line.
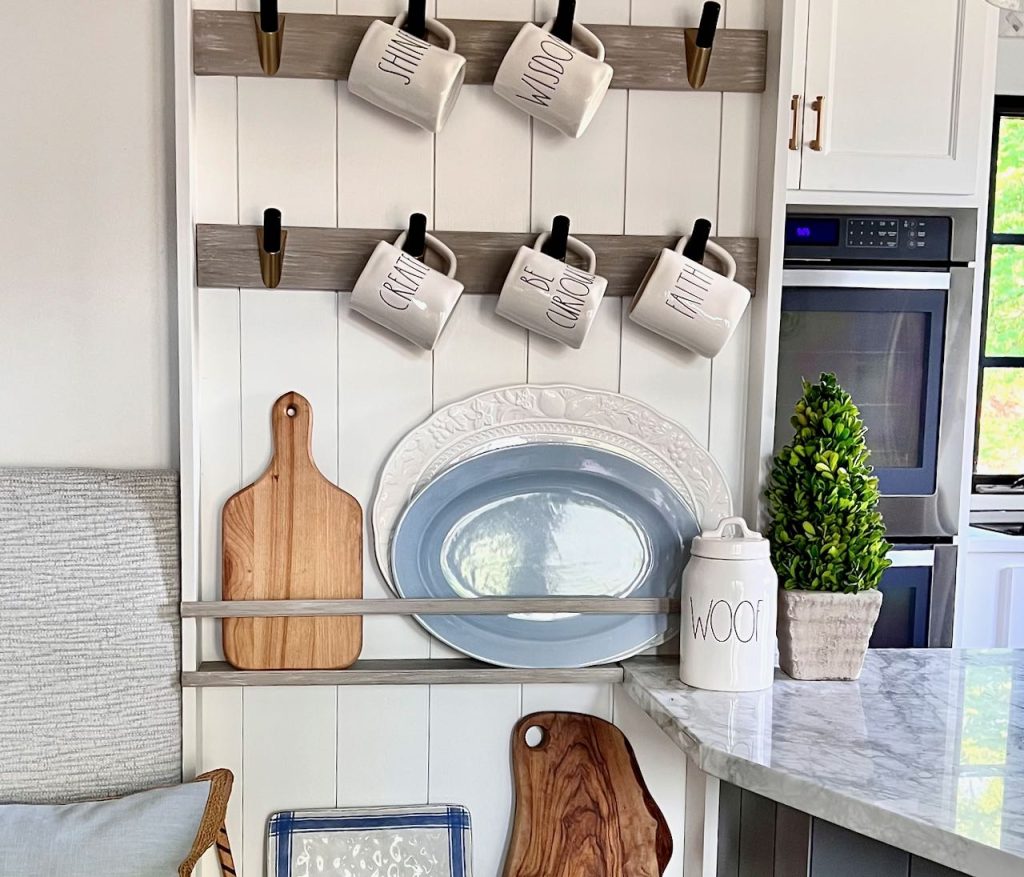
323 46
227 257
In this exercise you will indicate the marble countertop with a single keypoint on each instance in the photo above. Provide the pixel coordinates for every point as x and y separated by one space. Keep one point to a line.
925 752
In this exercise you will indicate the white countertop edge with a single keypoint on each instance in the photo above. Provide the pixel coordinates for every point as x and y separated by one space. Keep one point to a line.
874 821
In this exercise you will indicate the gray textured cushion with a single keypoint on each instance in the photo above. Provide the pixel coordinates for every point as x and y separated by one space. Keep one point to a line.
145 835
89 633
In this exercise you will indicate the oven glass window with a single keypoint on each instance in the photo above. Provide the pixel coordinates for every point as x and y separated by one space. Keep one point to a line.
882 361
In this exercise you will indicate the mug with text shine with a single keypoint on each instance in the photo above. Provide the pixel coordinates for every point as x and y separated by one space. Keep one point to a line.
405 295
689 303
549 297
553 81
407 76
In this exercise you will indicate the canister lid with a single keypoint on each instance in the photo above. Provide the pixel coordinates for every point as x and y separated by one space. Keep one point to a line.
731 540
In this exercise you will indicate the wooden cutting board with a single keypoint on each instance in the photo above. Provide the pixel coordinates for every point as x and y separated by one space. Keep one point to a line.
292 535
582 808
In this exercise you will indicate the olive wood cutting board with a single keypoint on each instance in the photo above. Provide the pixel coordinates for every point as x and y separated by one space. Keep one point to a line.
582 808
292 535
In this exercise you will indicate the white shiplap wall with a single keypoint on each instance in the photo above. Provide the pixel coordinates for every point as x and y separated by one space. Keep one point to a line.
650 163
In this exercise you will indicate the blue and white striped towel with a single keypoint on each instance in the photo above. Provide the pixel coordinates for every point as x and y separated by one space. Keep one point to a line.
430 840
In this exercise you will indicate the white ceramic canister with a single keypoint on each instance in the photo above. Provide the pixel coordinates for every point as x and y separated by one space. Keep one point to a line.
730 593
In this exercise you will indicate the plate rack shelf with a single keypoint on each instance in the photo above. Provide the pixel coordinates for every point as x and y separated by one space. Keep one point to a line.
323 46
458 671
332 258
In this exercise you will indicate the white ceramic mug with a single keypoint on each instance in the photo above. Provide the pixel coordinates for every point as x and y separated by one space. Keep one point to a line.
405 295
552 80
407 76
549 297
689 303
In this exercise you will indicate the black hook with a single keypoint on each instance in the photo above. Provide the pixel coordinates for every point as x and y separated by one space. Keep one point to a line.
698 241
562 27
708 25
416 19
557 242
272 230
268 16
416 237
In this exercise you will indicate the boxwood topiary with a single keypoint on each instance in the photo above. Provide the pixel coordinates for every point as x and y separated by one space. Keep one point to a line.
826 532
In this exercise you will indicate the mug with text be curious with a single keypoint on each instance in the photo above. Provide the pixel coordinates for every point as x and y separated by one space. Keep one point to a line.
552 80
549 297
405 295
688 303
407 76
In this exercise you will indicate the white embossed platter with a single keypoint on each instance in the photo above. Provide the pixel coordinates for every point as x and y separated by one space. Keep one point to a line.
532 413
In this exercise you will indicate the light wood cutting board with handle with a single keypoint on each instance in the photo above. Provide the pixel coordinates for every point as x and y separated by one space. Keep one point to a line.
582 808
292 535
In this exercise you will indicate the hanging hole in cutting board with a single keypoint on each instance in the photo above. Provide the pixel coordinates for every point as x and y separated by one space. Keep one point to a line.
535 736
291 412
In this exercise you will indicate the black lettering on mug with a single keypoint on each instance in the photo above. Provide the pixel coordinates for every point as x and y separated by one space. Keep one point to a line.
551 67
403 282
690 291
402 56
537 281
566 309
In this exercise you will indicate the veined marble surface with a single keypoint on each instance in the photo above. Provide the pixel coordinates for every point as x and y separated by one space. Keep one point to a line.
925 752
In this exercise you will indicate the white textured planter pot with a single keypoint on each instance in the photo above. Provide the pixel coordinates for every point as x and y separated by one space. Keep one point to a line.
824 635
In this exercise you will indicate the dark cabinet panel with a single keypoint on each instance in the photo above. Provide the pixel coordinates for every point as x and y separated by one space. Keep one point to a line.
903 620
924 868
837 852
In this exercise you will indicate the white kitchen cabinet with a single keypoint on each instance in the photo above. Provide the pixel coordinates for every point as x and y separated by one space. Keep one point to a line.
991 602
892 94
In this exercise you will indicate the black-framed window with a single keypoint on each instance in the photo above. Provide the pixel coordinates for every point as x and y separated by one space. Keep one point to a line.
999 442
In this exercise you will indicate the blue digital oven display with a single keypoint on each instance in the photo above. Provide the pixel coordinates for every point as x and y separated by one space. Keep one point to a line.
810 231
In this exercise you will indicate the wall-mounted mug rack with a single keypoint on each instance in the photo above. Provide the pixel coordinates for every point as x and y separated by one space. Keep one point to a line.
227 257
323 47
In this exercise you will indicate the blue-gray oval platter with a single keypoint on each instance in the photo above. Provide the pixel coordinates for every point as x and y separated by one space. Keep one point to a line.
544 520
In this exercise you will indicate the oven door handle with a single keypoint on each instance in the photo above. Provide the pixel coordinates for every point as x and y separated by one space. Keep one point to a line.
839 278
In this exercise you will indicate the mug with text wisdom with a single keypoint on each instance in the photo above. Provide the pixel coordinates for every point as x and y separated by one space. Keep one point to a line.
549 297
405 295
688 303
553 81
407 76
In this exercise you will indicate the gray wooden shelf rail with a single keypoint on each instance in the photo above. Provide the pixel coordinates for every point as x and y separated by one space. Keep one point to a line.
323 46
440 606
227 257
447 671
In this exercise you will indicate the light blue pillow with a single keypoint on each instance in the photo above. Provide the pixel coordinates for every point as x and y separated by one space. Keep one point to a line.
159 833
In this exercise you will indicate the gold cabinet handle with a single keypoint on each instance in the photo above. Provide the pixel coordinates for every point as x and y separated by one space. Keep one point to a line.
817 144
794 105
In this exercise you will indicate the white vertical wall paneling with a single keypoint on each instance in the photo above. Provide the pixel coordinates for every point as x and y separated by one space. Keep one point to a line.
595 700
671 179
385 172
663 766
220 441
383 741
736 203
216 145
483 183
289 753
483 153
385 164
220 745
384 386
470 729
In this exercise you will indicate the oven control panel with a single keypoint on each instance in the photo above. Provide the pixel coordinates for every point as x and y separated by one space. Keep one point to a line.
860 238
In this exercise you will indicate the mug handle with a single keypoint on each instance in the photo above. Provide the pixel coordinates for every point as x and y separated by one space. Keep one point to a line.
439 30
585 36
575 245
719 252
438 247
